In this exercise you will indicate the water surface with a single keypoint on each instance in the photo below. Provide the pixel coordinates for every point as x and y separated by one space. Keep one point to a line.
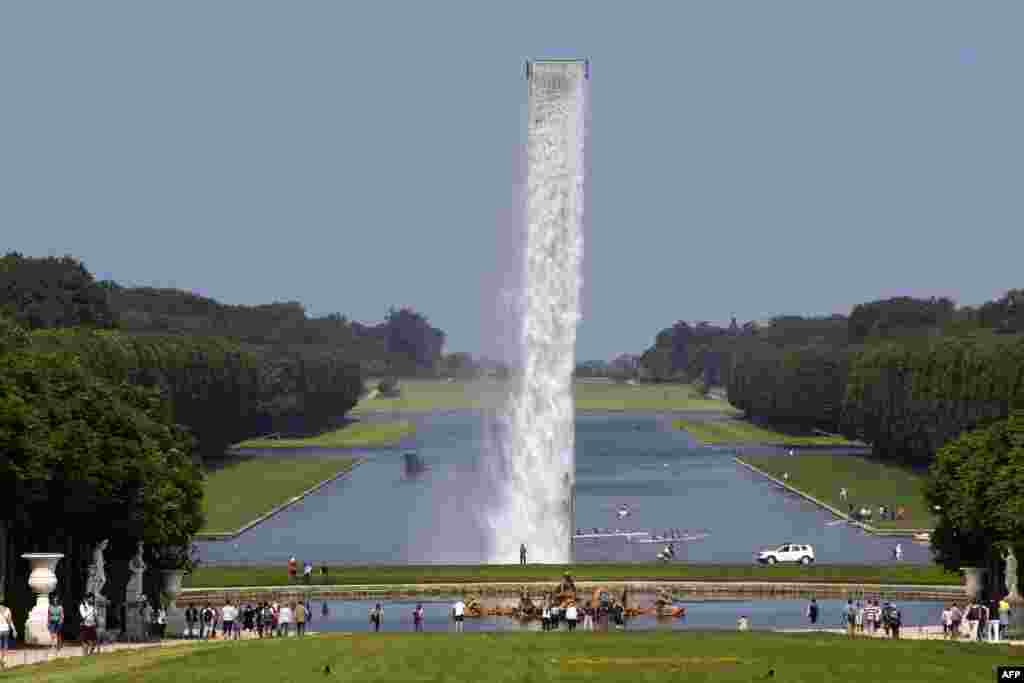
382 514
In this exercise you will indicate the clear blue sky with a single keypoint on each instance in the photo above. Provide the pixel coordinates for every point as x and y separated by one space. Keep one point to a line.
746 158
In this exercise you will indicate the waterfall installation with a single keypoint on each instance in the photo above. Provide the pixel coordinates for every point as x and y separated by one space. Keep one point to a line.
535 477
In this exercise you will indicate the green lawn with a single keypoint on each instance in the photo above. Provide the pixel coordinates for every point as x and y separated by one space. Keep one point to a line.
868 482
249 487
355 435
224 577
427 395
624 656
743 432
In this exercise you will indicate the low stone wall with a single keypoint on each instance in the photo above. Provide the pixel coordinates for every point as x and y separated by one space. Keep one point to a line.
681 589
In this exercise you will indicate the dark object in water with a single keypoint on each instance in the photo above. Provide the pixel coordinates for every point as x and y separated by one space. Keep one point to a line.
414 464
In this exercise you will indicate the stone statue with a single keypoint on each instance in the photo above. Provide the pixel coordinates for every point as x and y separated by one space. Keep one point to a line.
567 585
1011 575
97 570
137 566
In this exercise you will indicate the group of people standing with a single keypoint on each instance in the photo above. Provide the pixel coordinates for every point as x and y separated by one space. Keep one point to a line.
976 621
257 621
864 617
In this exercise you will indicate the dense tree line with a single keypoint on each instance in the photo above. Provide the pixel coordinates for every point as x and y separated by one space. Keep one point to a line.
52 292
405 344
904 374
977 487
799 387
909 398
85 457
899 316
222 393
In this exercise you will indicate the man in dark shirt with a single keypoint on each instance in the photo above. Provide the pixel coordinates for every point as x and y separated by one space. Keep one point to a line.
812 611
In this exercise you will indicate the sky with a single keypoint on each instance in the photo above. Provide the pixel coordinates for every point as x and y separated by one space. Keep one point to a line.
744 158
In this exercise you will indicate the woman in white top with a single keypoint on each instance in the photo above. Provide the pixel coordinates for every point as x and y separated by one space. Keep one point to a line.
284 619
7 633
570 616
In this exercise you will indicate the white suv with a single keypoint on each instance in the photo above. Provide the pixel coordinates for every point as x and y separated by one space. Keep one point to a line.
791 552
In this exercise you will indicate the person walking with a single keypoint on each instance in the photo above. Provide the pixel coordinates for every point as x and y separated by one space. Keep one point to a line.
973 617
993 623
228 614
892 618
204 620
570 616
376 616
266 618
588 617
812 611
300 620
293 569
55 623
284 619
850 617
522 553
190 621
87 611
417 618
161 621
545 618
955 621
899 552
982 621
323 573
7 633
859 617
947 621
459 613
1004 617
249 619
307 572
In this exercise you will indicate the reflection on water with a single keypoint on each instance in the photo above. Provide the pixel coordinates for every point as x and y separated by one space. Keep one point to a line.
353 615
381 515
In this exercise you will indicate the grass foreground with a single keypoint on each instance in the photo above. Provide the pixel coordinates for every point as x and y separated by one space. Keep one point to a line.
868 482
525 657
247 488
355 435
743 432
230 577
428 395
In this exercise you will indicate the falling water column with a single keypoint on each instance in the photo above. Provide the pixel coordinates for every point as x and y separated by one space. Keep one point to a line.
536 505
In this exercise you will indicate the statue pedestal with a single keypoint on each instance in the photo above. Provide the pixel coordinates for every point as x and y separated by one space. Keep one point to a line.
101 616
43 581
176 625
136 621
974 582
1015 628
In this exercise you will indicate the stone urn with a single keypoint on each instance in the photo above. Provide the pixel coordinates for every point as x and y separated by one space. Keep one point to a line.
975 582
43 581
170 588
